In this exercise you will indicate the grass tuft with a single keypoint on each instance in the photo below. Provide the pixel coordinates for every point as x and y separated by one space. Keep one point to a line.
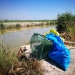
10 65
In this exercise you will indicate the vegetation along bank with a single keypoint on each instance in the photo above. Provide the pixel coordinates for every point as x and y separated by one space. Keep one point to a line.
66 25
28 23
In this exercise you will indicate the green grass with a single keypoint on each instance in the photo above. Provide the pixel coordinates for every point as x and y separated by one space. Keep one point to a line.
6 60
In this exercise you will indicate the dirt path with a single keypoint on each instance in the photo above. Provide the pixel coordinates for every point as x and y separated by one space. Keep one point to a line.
53 69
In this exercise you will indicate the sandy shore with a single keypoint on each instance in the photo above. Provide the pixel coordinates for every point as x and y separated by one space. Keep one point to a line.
53 69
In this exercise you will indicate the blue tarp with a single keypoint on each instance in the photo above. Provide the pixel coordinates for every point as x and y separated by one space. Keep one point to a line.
60 53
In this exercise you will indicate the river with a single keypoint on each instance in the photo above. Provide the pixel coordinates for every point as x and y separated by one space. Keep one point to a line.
14 38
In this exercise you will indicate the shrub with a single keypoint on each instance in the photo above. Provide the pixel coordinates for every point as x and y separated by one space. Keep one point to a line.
2 26
18 25
64 21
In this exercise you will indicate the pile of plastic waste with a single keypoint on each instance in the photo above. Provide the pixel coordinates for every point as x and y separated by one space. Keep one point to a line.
51 45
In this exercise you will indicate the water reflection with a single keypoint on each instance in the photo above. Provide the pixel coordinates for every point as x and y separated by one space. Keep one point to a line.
14 38
4 31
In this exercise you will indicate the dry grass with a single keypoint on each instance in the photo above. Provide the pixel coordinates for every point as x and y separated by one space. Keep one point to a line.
69 36
9 65
29 67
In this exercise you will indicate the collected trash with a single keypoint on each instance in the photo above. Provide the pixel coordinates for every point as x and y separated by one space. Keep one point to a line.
51 46
23 53
60 53
52 31
40 46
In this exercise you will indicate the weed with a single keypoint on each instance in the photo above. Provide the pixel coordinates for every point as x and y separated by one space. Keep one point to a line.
27 43
2 26
6 60
9 64
18 25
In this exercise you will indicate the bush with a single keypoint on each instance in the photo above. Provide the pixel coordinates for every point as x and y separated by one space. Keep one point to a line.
2 26
65 20
18 25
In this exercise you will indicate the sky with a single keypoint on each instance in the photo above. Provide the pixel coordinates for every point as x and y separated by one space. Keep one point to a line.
34 9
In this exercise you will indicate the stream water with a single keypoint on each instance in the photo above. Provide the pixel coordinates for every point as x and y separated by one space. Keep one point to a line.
14 38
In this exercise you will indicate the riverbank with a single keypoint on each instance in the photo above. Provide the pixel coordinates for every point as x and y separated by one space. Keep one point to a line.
24 24
16 37
44 67
51 68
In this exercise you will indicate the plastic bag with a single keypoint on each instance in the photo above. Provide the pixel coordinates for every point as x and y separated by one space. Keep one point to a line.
40 46
60 53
